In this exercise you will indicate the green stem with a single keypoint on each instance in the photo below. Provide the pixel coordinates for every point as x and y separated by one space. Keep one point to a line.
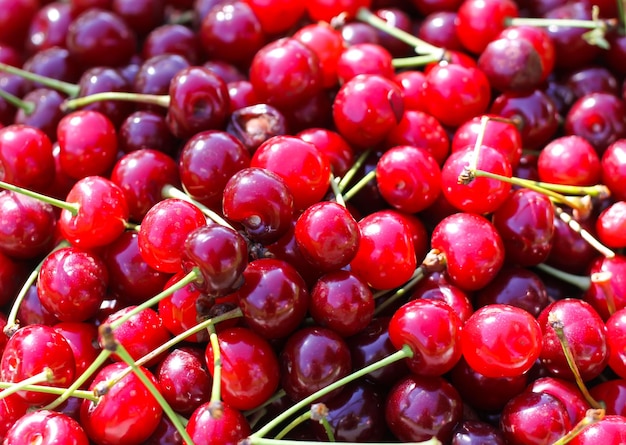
420 46
403 353
584 233
602 279
581 282
71 391
415 61
335 188
294 423
69 89
544 23
50 390
252 440
418 276
621 17
187 279
216 389
72 208
12 324
149 99
170 191
124 355
328 428
347 177
41 377
28 107
591 416
359 185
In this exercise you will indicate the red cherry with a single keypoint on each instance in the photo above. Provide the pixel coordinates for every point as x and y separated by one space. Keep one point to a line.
179 311
569 160
499 340
46 428
610 225
616 338
83 339
565 391
277 16
327 44
207 429
479 22
325 10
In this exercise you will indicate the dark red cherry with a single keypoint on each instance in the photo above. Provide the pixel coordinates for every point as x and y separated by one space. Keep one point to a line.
256 123
145 129
173 38
565 391
475 432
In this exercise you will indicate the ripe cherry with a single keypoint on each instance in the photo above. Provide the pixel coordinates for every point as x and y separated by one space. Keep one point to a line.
569 160
46 427
207 429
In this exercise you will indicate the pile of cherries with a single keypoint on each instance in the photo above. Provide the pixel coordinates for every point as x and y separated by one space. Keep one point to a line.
266 222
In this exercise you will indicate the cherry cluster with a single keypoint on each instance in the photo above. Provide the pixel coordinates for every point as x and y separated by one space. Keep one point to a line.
268 222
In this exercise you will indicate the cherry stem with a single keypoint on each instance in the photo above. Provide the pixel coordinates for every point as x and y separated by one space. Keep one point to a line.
420 46
73 388
215 403
12 324
581 282
576 227
41 377
162 100
335 188
72 208
252 440
418 275
403 353
591 416
67 88
294 423
621 17
558 327
594 23
192 276
347 177
319 413
28 107
280 393
81 394
356 188
171 414
603 280
169 191
415 61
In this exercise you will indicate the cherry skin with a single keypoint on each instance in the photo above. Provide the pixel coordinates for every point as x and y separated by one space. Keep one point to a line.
184 379
256 123
12 408
15 19
45 113
408 178
364 58
145 129
179 311
327 235
474 432
305 170
610 225
611 429
614 169
88 144
342 302
325 10
127 413
206 429
437 287
565 391
164 230
612 393
33 349
261 202
432 330
311 359
250 369
277 17
46 427
499 340
585 333
386 255
616 336
434 413
473 249
83 339
569 160
273 298
72 284
327 44
473 30
172 38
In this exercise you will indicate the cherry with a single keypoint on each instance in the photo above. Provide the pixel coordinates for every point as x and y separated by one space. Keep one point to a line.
142 174
609 225
145 129
46 427
256 123
43 111
141 17
172 38
233 32
499 340
456 93
206 429
26 157
325 10
412 85
474 432
88 144
102 80
565 391
261 202
437 287
611 429
155 75
615 336
342 302
472 247
72 284
599 118
127 413
35 349
27 226
273 298
98 37
366 109
515 286
83 339
32 312
335 147
534 418
434 412
164 230
614 169
327 44
327 235
364 58
421 130
305 170
585 333
386 255
312 358
593 79
241 94
12 408
184 379
408 178
487 394
612 393
473 30
432 331
525 221
221 256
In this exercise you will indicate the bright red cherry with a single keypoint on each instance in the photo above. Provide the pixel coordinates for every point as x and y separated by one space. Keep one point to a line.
205 429
479 22
325 10
46 428
569 160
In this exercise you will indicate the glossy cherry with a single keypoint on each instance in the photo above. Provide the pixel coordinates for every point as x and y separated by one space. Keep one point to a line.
46 427
206 429
569 160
